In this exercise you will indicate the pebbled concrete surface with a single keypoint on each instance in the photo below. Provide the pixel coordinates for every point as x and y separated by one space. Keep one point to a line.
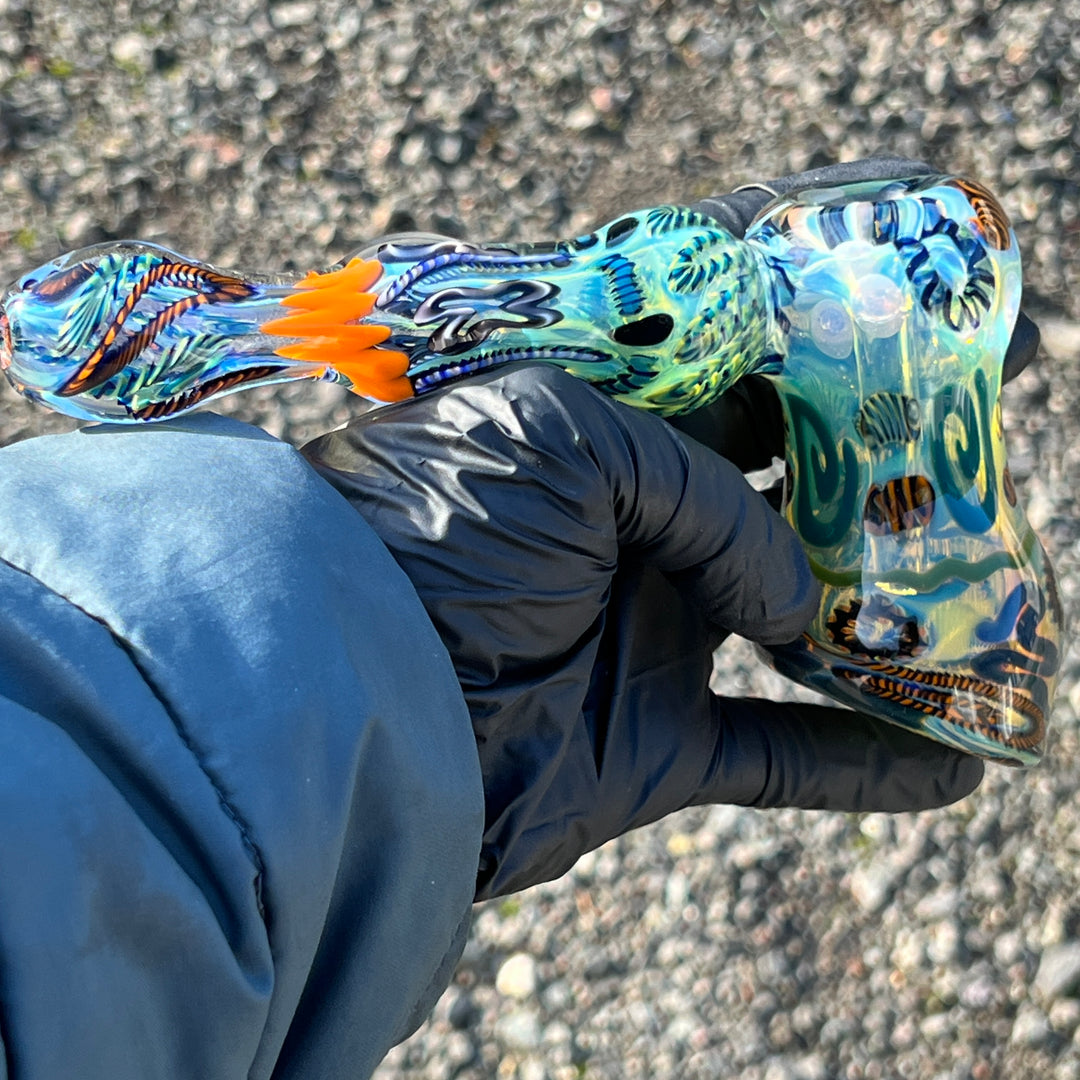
782 946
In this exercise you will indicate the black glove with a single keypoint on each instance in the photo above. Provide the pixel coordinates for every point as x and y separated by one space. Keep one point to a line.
581 561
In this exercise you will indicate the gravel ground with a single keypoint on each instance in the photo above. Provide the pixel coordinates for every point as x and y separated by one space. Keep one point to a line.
722 942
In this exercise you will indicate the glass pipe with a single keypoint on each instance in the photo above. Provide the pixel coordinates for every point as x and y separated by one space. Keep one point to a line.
939 607
882 311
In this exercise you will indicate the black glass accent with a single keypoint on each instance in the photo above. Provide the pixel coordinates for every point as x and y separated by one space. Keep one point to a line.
641 333
619 230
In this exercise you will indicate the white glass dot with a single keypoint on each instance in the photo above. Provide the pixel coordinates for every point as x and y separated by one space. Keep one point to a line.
878 305
830 327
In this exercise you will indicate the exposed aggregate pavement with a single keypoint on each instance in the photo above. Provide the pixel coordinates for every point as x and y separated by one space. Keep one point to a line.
722 942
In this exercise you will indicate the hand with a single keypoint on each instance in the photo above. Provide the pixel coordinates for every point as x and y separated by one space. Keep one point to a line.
581 561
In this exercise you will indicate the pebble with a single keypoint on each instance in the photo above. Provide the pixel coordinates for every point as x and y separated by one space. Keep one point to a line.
459 1049
1059 971
1064 1015
294 13
519 1029
461 1011
871 884
779 1070
532 1069
1060 338
413 151
1031 1027
130 49
810 1067
557 996
936 1026
943 941
517 977
1008 947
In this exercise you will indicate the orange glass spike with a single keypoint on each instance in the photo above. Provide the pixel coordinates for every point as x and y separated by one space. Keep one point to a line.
392 390
326 324
372 363
357 274
331 307
339 297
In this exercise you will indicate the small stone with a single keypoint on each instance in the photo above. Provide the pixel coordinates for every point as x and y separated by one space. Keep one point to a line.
780 1032
297 13
676 891
1060 338
558 1033
749 853
904 1035
76 225
938 904
413 151
943 941
679 844
558 997
936 1026
519 1030
1064 1015
804 1018
581 117
871 885
1059 971
462 1011
532 1069
779 1070
402 51
877 827
724 820
265 88
836 1030
396 74
459 1049
1031 135
772 966
764 1003
682 1027
130 50
978 992
517 977
988 885
345 31
1067 1070
448 147
198 167
1008 947
810 1067
1030 1028
934 77
585 867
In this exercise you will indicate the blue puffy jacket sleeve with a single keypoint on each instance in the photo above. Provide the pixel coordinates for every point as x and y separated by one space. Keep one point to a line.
240 803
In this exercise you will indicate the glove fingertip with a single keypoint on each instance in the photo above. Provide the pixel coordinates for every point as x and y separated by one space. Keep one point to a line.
821 757
1023 346
958 782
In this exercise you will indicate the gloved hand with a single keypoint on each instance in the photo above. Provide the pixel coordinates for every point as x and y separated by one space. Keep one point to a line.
581 561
